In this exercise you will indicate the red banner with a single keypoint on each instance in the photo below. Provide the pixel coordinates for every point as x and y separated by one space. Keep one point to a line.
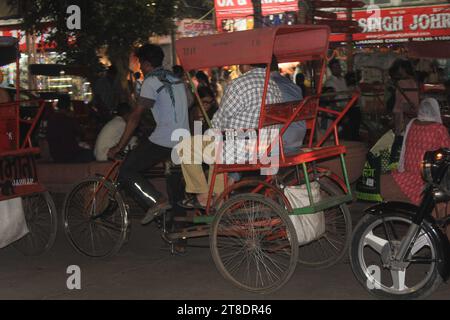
393 25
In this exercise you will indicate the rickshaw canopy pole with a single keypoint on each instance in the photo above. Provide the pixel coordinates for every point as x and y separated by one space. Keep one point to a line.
287 43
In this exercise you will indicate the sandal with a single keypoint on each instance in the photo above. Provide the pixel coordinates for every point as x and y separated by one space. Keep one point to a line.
191 203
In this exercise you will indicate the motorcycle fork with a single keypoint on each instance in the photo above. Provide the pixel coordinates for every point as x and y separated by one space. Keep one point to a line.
426 207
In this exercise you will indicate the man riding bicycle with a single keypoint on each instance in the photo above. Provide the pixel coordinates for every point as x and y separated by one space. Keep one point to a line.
165 96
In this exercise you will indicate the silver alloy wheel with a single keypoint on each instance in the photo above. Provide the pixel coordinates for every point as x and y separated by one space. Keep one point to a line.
386 250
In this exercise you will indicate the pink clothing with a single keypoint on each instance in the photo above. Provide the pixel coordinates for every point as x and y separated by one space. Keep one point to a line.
421 138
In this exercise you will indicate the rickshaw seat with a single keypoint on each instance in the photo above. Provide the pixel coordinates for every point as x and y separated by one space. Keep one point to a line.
304 155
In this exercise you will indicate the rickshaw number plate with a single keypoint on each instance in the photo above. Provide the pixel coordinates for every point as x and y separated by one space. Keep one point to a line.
16 171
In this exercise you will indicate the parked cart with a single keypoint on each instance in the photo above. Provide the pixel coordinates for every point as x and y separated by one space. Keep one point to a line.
18 176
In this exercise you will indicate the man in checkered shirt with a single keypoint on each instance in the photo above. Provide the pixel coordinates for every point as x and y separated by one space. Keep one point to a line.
239 109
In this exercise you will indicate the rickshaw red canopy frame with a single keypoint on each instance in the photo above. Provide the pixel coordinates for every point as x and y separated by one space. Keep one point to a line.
254 46
297 43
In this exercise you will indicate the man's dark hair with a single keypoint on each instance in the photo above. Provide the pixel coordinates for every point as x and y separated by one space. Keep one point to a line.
200 75
407 66
64 102
333 62
205 92
123 109
178 71
151 53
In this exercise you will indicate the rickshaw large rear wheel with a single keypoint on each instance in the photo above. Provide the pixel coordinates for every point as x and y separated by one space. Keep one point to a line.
41 217
333 245
253 243
95 223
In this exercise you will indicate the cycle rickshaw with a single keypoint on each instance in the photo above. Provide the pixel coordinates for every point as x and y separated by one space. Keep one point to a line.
252 239
18 175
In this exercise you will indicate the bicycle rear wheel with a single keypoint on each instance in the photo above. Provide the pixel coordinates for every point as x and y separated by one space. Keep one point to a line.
95 218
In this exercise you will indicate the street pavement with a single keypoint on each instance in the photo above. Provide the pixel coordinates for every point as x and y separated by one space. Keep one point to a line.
144 269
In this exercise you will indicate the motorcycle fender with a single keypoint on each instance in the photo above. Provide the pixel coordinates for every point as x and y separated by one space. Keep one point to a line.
441 240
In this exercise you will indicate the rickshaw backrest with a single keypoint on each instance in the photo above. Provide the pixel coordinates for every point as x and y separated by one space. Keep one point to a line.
280 113
288 112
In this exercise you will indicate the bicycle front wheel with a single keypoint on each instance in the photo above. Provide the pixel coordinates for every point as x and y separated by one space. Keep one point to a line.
95 218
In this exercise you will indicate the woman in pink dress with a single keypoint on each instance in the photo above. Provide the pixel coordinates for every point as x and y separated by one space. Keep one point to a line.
425 133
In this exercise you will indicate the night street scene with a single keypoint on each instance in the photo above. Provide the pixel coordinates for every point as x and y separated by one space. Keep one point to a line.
224 156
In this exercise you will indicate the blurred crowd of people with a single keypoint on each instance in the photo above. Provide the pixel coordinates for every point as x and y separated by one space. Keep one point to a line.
401 96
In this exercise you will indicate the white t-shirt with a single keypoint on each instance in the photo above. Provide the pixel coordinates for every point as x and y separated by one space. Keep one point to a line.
108 137
338 84
167 117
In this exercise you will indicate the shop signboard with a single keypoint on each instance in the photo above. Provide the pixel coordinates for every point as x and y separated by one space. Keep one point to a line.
195 28
40 40
236 15
396 25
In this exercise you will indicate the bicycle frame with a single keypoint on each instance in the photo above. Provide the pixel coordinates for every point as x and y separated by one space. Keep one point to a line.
114 169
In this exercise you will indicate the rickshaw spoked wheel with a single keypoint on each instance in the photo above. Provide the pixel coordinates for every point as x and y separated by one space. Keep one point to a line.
253 243
95 218
41 217
332 246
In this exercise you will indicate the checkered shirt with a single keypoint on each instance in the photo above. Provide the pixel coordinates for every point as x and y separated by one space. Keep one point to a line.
240 109
241 103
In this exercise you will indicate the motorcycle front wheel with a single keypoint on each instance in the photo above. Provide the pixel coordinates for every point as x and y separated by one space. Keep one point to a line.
376 240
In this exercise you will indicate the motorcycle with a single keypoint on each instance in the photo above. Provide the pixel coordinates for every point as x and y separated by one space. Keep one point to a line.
399 250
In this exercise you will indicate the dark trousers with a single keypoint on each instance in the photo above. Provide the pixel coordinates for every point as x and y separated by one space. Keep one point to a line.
351 129
131 175
175 190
